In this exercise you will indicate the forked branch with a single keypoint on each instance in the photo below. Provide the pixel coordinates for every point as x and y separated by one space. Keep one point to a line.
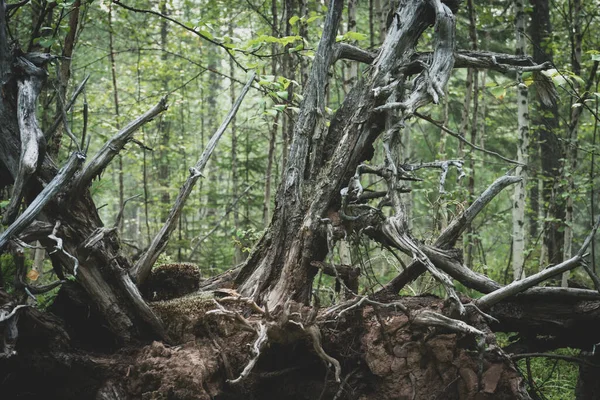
113 147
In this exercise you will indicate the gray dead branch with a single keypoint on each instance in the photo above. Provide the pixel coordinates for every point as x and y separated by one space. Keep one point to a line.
141 269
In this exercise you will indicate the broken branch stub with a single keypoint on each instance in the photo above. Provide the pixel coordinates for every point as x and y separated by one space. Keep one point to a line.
33 143
113 147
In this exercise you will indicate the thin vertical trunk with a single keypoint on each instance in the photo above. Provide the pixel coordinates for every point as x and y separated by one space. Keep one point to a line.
571 148
473 130
546 121
303 61
113 70
442 217
382 12
273 133
64 75
146 193
164 126
518 209
371 28
352 71
592 186
237 256
289 68
39 254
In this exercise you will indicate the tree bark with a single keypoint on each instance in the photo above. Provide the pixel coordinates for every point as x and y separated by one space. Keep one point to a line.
546 120
322 160
519 229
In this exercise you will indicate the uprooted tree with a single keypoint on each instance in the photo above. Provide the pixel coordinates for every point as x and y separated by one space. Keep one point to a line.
375 346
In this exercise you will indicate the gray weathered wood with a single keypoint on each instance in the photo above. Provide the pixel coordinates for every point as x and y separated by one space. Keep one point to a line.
141 269
46 195
105 155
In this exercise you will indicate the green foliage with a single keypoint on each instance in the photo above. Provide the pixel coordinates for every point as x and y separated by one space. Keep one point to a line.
7 269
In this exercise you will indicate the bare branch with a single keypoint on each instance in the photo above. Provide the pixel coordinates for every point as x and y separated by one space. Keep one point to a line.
13 6
74 96
218 223
394 230
443 165
430 318
184 26
59 247
430 83
259 344
141 270
121 211
315 335
113 146
47 194
451 234
447 240
348 52
465 141
519 286
5 315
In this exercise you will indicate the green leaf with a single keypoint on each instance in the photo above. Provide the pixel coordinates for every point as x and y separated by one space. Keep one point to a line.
282 94
206 34
294 19
289 39
498 91
46 42
355 36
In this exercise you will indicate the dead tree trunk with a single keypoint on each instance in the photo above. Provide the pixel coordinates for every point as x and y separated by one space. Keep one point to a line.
67 221
323 160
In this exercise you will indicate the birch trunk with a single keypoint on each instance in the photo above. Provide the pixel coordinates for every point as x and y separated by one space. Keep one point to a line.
519 199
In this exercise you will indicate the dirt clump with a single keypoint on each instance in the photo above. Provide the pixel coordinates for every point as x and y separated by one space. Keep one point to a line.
169 281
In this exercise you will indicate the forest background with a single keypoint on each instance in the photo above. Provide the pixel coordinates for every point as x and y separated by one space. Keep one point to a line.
200 54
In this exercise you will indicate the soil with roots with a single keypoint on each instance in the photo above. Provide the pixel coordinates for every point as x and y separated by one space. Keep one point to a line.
383 355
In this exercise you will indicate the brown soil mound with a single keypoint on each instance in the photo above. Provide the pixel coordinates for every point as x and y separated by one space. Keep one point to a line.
169 281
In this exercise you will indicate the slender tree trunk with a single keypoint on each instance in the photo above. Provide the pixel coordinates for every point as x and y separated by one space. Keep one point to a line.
351 74
289 71
113 70
164 126
592 182
238 256
546 121
64 75
519 200
273 132
474 86
442 217
570 163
